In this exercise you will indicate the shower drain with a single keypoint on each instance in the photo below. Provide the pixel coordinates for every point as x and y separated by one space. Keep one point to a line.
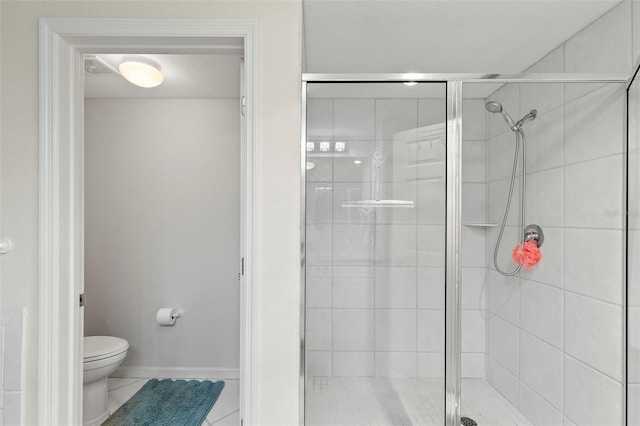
466 421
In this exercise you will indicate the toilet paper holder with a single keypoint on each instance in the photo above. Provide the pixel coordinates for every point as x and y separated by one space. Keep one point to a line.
168 316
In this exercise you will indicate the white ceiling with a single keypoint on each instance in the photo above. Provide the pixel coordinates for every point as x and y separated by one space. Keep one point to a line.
185 76
439 36
384 36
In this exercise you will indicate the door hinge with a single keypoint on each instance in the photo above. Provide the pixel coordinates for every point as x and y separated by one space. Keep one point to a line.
242 267
243 103
81 300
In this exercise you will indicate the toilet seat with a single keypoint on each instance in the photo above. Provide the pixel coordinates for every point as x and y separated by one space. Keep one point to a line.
102 347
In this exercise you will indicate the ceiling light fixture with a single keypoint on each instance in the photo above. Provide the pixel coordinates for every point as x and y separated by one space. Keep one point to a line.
141 71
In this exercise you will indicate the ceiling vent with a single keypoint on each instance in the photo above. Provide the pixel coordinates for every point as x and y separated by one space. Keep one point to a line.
96 66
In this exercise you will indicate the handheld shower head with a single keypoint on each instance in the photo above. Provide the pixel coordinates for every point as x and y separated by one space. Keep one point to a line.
495 108
531 116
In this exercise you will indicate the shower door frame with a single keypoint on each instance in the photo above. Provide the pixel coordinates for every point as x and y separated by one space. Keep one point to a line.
453 172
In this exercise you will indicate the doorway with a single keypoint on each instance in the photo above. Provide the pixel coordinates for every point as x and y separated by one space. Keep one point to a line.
62 191
161 220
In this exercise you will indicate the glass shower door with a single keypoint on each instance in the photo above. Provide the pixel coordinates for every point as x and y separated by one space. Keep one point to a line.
375 253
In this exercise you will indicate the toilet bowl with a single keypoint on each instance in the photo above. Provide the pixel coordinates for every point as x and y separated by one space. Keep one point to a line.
102 356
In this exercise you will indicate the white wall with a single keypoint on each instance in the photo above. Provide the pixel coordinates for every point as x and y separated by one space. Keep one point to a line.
555 332
162 211
278 164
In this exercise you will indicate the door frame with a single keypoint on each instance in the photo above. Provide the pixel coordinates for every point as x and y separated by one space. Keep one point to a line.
62 43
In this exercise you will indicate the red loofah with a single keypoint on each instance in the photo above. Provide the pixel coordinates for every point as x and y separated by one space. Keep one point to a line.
527 254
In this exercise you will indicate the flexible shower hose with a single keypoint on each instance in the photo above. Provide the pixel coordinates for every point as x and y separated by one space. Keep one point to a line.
520 143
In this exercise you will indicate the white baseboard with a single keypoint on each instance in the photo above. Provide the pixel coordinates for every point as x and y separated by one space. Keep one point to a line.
177 373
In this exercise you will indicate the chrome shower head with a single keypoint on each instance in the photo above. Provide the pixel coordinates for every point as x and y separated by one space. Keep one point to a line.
531 116
496 108
493 107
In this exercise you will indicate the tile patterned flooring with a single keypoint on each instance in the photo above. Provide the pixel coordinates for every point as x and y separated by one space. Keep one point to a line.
225 411
342 401
383 402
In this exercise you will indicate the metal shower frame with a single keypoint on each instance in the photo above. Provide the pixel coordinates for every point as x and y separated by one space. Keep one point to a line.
453 274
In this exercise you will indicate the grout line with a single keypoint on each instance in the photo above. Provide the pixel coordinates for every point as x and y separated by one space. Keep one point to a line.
223 417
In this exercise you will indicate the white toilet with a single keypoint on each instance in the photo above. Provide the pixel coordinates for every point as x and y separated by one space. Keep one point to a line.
102 356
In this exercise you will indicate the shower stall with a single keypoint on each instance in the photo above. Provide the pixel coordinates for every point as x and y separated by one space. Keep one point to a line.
465 250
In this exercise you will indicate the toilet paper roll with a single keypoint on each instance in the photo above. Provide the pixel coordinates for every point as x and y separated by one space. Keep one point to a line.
166 316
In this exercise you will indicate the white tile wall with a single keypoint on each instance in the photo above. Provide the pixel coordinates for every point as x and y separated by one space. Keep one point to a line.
431 245
505 382
541 369
541 311
474 203
353 119
545 137
473 330
590 121
11 353
430 205
318 329
353 244
566 311
504 344
633 396
396 245
502 148
545 197
633 344
593 333
474 122
318 363
396 329
319 119
498 195
537 409
396 115
590 397
358 364
555 332
353 330
474 288
396 287
595 273
431 324
431 364
396 364
593 193
504 297
474 167
473 365
431 288
474 247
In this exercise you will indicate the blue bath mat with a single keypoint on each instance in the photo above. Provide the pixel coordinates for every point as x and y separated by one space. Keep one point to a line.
168 403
